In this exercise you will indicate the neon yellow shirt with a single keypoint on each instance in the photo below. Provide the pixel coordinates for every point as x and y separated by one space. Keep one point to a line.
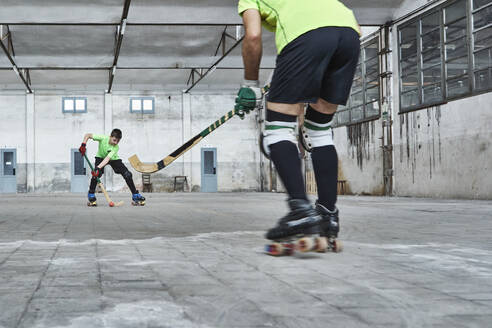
291 18
105 149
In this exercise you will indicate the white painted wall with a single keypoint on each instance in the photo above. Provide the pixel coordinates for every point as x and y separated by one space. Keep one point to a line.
13 130
237 146
12 124
56 133
360 157
177 118
445 151
150 136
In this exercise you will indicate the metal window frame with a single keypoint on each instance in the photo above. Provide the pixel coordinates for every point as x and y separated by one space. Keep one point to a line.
473 51
74 111
418 29
470 42
480 8
375 39
142 111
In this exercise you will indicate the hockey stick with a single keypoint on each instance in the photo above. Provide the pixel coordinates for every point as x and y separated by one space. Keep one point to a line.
154 167
100 184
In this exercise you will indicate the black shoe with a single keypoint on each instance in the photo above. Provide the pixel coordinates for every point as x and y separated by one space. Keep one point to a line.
302 219
330 225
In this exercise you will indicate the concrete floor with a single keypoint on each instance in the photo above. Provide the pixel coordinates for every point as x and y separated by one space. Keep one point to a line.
195 260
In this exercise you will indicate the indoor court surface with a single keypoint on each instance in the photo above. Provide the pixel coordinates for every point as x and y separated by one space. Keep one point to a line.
196 260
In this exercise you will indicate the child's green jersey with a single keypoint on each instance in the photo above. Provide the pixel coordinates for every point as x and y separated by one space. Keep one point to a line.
105 148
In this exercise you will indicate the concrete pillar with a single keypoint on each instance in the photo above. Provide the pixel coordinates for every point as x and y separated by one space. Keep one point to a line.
30 144
186 119
108 126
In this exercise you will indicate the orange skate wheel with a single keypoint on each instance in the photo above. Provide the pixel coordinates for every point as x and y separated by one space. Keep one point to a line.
305 244
321 244
337 246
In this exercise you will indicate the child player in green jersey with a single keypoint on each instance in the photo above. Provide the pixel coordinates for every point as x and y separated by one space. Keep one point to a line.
107 153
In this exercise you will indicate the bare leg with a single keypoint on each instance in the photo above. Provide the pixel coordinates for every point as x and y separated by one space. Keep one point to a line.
288 109
324 107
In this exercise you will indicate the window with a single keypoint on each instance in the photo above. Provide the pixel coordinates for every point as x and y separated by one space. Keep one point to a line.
364 100
431 76
445 54
482 44
144 105
456 49
74 105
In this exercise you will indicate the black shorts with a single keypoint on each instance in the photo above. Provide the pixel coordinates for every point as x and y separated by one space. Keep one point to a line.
320 63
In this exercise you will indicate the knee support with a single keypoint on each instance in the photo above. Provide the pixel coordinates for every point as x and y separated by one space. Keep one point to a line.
277 131
314 134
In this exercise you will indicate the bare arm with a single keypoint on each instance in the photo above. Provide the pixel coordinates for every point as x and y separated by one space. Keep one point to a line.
252 44
87 137
104 162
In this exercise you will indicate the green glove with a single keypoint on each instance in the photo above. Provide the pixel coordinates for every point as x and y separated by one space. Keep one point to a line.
248 98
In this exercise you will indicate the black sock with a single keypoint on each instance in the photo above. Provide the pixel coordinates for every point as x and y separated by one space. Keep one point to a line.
325 164
285 156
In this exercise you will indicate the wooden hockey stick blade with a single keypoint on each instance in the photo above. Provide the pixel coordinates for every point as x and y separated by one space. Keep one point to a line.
142 167
108 199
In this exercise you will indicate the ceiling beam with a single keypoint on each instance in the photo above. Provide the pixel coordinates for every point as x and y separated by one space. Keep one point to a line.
214 65
224 37
122 68
7 35
9 52
118 41
194 72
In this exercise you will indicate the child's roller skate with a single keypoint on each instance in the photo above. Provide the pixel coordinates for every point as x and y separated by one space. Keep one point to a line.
330 227
92 200
138 200
297 231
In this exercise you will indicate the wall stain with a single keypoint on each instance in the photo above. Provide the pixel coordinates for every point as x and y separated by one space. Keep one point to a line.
415 138
360 137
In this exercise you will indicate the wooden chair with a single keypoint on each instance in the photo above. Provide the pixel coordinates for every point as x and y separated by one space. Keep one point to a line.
184 182
341 187
146 184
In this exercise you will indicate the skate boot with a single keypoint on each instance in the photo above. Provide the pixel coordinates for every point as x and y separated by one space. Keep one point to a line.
330 227
298 230
92 200
138 200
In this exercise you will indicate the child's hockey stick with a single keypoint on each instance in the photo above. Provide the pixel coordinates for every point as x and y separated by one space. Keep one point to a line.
154 167
100 184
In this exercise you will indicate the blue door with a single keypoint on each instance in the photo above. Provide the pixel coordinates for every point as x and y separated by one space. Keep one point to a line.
209 170
8 165
79 181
